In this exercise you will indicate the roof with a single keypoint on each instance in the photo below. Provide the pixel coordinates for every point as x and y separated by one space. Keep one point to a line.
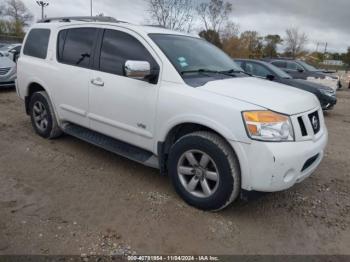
104 21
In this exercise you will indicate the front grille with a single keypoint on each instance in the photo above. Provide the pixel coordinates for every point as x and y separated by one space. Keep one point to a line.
4 71
315 122
310 162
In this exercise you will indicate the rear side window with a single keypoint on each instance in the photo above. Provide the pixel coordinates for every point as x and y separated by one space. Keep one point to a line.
117 48
75 46
280 64
37 43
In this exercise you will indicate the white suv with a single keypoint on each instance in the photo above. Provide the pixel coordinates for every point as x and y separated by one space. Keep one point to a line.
170 101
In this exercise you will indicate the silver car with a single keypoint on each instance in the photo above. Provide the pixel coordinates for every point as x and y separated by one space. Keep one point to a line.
8 72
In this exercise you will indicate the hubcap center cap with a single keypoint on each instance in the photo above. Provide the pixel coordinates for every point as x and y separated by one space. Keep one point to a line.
199 173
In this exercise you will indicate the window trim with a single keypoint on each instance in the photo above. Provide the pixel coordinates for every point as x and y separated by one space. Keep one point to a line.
93 48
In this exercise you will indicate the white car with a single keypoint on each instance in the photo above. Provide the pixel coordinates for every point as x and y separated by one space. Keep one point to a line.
11 51
170 101
8 72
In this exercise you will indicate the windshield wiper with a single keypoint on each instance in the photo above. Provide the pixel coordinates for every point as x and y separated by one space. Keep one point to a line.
200 71
230 72
234 71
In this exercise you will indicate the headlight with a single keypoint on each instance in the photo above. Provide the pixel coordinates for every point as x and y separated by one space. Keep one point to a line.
268 126
333 78
327 92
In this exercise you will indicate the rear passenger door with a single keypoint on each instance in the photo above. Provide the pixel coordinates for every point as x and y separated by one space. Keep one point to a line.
122 107
74 56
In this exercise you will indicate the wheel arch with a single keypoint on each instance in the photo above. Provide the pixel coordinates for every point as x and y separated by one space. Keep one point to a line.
175 133
32 88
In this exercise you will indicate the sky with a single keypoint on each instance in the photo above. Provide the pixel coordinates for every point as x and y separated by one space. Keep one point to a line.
324 21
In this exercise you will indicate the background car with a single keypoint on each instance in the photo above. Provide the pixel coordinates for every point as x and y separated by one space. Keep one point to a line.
326 95
301 70
8 72
12 51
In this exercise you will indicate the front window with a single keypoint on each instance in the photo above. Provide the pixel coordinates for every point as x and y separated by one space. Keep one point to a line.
190 54
279 72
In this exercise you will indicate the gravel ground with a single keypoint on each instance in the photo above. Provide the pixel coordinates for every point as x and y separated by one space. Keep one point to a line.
68 197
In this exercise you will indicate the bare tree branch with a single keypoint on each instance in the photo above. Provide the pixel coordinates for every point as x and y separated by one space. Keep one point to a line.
214 14
172 14
295 41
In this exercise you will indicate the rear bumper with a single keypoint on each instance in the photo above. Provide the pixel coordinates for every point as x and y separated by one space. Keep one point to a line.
272 167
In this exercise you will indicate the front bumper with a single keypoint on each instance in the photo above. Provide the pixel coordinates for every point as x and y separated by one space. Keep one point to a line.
328 102
9 79
272 167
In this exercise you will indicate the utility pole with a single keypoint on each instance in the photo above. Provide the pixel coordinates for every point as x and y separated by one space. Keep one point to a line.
90 7
42 4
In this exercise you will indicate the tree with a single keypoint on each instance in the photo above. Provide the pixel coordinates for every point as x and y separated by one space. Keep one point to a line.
270 46
172 14
230 30
248 45
252 43
18 15
212 37
214 14
295 42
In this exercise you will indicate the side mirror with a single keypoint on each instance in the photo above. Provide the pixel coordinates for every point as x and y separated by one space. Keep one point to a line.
137 69
270 77
300 70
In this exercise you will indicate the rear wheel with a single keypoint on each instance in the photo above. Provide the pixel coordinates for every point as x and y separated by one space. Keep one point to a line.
43 117
204 171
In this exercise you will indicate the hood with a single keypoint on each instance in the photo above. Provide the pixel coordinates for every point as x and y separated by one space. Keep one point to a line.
6 62
270 95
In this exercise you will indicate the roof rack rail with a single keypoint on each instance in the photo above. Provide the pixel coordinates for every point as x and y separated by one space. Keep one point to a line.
81 18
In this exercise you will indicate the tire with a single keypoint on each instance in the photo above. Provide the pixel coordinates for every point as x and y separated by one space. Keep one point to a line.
42 115
212 187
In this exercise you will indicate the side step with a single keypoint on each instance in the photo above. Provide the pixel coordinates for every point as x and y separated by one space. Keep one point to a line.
112 145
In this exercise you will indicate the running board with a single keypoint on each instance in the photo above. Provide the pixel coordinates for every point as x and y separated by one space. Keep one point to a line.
112 145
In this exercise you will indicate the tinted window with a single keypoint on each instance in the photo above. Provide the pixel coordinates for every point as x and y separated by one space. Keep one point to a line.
293 66
256 69
280 64
37 43
117 48
77 47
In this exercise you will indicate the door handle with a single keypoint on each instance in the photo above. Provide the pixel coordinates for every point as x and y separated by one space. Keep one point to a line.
97 82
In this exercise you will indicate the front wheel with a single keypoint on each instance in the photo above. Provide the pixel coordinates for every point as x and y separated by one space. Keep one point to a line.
204 171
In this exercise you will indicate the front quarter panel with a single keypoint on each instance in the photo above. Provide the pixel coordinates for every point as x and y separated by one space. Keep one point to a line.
180 104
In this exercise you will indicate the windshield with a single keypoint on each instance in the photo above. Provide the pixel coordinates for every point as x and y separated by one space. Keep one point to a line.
307 66
279 72
190 54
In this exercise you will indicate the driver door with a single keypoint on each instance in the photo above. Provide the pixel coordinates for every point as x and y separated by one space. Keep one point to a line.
121 107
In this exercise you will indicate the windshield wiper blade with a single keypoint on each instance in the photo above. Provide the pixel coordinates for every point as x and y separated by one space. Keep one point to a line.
199 71
233 71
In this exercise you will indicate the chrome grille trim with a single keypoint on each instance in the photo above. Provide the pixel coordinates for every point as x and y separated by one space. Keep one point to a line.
4 71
